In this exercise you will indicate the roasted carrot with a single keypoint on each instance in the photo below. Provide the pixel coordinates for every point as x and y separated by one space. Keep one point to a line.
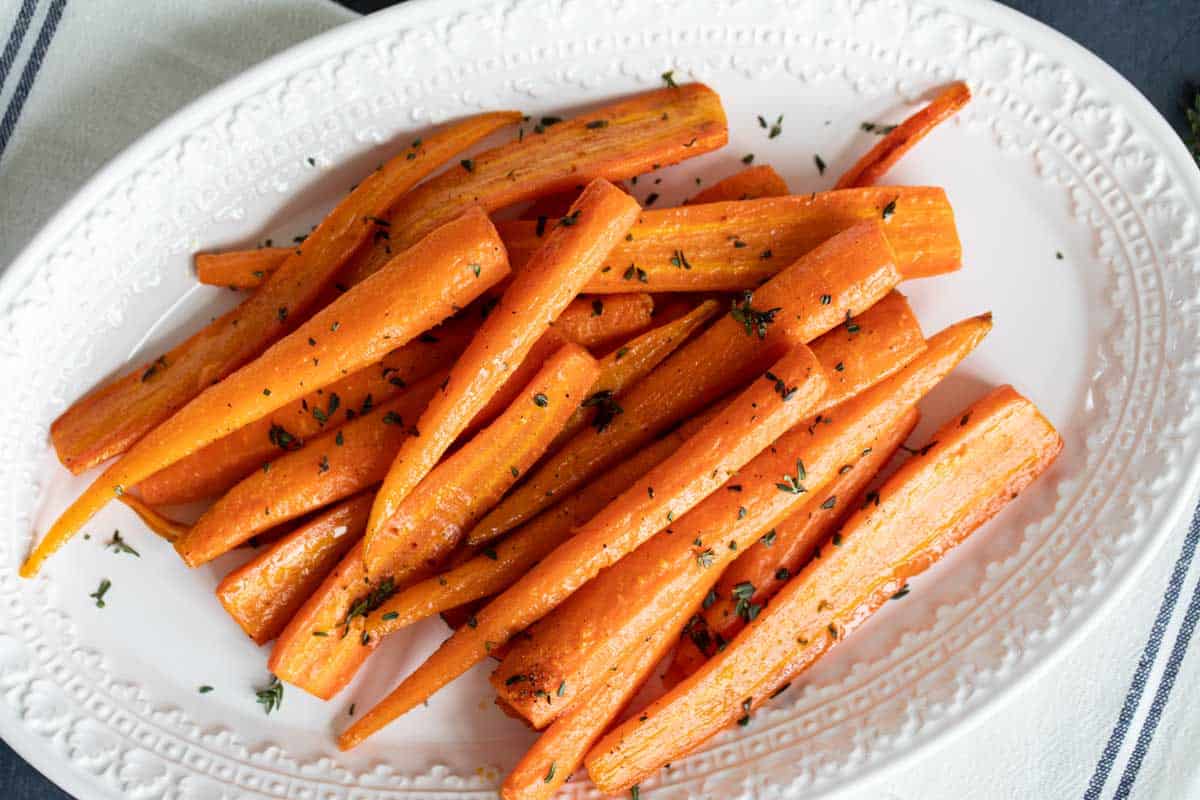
240 269
109 420
976 464
738 245
536 296
844 276
432 519
573 646
762 570
733 437
869 169
599 323
614 142
420 288
265 592
749 184
165 527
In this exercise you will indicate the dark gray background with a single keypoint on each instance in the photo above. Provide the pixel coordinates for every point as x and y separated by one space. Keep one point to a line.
1153 43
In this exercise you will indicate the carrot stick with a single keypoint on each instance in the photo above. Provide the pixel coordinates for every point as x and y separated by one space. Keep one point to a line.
749 184
240 269
267 591
600 322
762 570
335 465
852 270
733 437
614 142
775 231
572 647
974 467
420 288
536 296
106 422
165 527
432 519
871 168
553 206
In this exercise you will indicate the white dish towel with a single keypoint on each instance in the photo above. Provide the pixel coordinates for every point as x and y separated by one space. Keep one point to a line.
1114 717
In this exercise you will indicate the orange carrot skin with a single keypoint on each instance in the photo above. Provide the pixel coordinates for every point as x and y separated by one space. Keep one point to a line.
240 269
978 463
165 527
420 288
653 128
435 516
775 231
853 270
871 168
749 184
320 473
536 296
106 422
766 565
601 322
265 593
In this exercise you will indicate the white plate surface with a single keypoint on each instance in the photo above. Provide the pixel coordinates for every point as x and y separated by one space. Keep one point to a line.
1056 154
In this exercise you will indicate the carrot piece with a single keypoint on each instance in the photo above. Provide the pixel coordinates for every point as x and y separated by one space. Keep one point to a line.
240 269
699 248
733 437
108 421
432 519
651 129
762 570
267 591
421 287
852 271
871 168
603 321
749 184
536 296
165 527
972 469
331 467
576 644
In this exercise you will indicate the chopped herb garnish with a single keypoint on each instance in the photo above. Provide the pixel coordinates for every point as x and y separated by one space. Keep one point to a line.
820 162
540 400
669 79
851 325
826 299
889 209
752 319
570 219
768 538
742 593
468 164
635 792
515 679
650 198
744 720
279 437
781 388
98 595
837 538
596 123
491 553
776 128
621 351
119 545
323 464
765 254
373 600
160 363
830 503
204 689
901 592
541 226
679 260
748 158
878 128
782 574
597 308
550 772
390 615
709 599
606 408
340 439
271 697
476 268
792 484
635 272
705 557
833 631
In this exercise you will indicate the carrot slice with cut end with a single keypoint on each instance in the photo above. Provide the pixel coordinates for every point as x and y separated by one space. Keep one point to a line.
749 184
263 594
846 275
737 245
975 465
240 269
536 296
108 421
648 130
421 287
883 156
734 436
432 519
765 567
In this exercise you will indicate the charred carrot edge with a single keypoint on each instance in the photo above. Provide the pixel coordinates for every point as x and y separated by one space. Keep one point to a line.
745 588
619 370
550 653
883 156
108 421
974 467
686 564
267 591
433 518
844 276
749 184
755 417
615 142
240 269
536 296
730 246
422 286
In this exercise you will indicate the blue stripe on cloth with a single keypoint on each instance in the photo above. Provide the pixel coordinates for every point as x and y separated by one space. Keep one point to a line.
1165 684
1137 686
29 74
20 27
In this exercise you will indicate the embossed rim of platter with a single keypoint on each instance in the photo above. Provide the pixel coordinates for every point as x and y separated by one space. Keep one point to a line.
346 37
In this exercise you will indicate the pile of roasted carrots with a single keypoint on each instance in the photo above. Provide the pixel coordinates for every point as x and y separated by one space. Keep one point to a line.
588 437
